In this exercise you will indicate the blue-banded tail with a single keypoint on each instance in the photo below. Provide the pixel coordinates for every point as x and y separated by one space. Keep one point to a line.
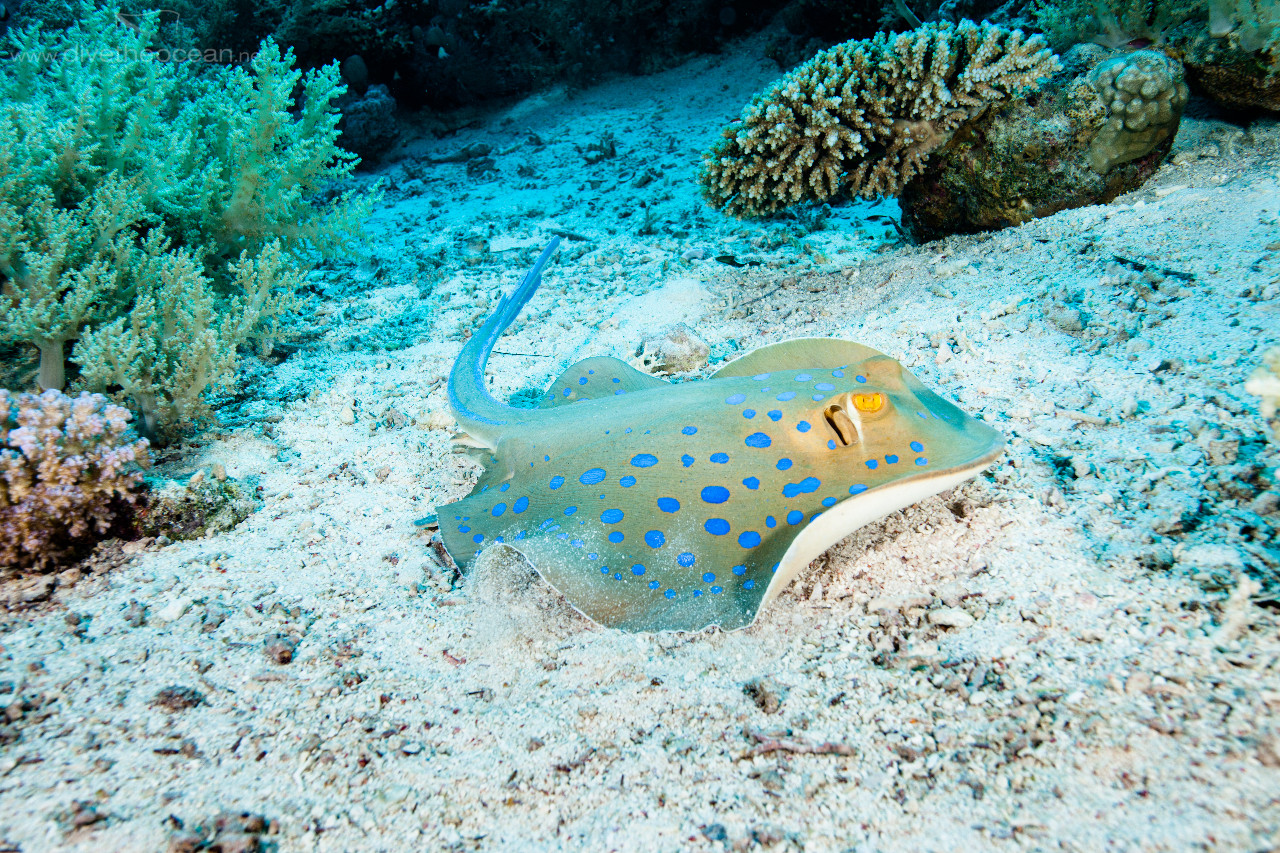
477 411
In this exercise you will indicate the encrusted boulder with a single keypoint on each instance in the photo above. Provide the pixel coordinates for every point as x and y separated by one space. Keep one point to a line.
1099 128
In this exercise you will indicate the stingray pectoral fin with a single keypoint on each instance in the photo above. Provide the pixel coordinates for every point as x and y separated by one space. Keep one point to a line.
797 354
592 378
610 593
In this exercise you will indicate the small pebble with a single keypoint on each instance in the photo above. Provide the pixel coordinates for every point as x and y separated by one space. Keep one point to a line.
951 617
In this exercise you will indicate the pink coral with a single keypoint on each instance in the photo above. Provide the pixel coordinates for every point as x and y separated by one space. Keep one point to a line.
67 468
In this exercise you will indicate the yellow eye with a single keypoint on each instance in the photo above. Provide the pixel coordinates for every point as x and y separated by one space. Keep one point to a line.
868 403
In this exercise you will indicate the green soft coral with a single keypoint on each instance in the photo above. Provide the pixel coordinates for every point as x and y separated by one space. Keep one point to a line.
129 182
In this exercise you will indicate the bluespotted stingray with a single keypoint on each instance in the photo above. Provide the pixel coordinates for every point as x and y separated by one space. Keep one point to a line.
653 506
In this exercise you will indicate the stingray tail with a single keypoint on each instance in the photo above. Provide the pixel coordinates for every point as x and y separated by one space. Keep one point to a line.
477 411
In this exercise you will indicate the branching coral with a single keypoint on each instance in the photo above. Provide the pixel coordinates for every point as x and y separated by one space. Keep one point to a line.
865 115
159 216
67 469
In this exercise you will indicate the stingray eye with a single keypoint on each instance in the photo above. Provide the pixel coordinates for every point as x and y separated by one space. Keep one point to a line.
839 421
868 404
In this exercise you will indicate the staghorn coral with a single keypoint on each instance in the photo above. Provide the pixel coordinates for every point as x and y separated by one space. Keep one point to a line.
1264 383
865 115
137 192
68 468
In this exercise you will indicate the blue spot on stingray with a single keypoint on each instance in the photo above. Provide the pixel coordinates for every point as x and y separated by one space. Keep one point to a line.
857 489
668 504
462 528
715 494
627 481
478 538
611 516
860 378
637 570
739 570
582 380
616 380
617 576
917 446
760 377
616 536
720 458
627 430
618 391
708 577
499 509
593 556
592 372
717 526
655 539
498 539
770 521
803 377
556 482
520 535
828 502
546 458
654 584
804 426
923 415
872 464
891 459
838 374
671 593
504 487
818 398
786 395
715 589
748 539
922 461
577 543
592 476
644 460
808 484
689 430
570 510
686 559
553 528
686 460
774 415
748 413
758 439
824 386
831 443
751 483
521 504
568 391
735 399
748 584
783 464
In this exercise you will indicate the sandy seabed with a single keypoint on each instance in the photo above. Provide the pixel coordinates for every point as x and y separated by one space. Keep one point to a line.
1060 654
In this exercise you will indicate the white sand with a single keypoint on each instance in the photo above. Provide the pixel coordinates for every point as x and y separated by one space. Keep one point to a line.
1084 700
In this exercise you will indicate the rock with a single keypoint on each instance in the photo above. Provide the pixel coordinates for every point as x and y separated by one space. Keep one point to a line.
369 126
1086 136
195 508
766 694
898 602
677 350
178 698
173 611
951 617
